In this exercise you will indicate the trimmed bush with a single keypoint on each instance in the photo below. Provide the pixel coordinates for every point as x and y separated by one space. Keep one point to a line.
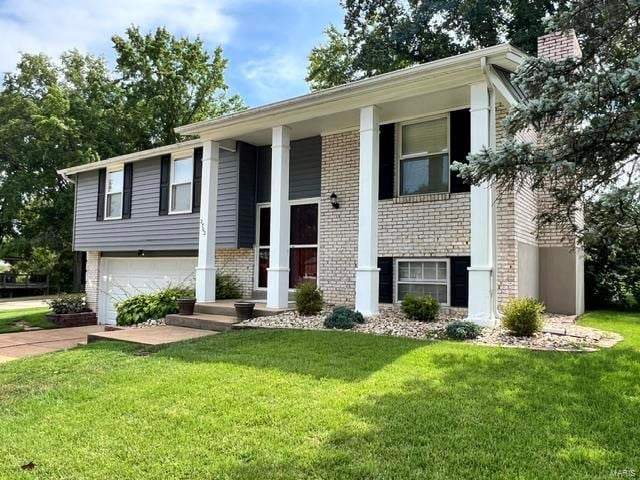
343 318
68 303
308 298
523 316
462 330
425 308
227 287
141 308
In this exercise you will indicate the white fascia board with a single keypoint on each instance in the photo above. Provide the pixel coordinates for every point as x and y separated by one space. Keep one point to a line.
136 156
351 95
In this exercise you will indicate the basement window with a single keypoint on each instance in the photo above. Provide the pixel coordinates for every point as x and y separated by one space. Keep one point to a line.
423 277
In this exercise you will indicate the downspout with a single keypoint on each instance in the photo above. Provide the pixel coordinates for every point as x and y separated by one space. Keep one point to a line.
484 67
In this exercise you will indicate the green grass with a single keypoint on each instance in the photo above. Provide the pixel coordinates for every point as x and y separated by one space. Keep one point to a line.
302 404
35 317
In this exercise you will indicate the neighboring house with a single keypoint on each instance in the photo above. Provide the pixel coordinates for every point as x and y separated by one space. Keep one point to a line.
349 187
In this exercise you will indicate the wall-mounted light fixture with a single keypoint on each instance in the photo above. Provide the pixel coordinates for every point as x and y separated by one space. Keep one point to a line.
334 200
141 253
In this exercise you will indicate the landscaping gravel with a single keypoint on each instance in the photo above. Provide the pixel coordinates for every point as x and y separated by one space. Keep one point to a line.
559 333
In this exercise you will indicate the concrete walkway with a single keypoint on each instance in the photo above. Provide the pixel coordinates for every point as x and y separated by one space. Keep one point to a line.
27 344
151 335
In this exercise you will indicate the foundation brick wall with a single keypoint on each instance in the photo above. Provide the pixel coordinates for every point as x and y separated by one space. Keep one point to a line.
239 263
421 226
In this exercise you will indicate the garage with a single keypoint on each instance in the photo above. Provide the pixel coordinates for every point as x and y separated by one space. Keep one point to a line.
122 277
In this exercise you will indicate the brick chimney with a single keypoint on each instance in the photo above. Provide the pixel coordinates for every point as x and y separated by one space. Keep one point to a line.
557 46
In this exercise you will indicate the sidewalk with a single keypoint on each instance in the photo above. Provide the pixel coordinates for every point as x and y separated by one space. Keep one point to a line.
26 344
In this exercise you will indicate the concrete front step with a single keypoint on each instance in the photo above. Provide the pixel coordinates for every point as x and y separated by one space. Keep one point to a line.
227 309
202 321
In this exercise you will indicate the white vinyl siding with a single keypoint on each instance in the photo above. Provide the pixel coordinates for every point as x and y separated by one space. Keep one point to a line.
423 277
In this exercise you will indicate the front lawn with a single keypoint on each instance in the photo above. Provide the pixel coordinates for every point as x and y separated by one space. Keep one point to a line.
16 320
324 405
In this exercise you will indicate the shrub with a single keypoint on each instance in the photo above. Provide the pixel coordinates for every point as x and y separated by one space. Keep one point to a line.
308 298
68 303
462 330
227 287
343 318
523 316
141 308
424 308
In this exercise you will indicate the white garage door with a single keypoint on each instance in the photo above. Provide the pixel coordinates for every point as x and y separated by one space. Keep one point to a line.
121 278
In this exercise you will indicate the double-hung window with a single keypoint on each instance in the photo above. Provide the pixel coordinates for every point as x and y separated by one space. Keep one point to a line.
181 185
423 277
113 204
424 157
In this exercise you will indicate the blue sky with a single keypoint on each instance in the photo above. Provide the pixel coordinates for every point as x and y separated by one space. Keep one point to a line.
266 42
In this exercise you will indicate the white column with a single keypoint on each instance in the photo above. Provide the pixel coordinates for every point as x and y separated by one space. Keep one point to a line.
367 272
278 271
206 269
482 295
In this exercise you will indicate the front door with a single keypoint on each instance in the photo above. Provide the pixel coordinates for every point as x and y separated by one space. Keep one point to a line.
303 244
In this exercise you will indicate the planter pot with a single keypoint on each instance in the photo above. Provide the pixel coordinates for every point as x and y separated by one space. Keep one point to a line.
73 319
244 310
186 306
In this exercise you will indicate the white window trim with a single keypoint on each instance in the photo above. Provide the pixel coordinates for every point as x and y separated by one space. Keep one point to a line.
174 157
396 275
258 247
400 157
110 170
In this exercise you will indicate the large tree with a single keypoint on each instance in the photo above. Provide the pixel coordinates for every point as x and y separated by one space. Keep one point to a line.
585 112
74 111
384 35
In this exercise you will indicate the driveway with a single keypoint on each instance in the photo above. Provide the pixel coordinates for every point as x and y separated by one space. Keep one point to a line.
28 344
7 304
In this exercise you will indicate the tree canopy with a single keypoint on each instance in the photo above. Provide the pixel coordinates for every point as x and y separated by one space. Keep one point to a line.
75 110
384 35
584 111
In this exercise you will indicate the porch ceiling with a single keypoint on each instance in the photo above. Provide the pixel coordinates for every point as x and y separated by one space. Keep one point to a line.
390 111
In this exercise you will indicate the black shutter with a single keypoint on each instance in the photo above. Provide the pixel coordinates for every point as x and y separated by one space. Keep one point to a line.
127 190
460 132
460 281
165 165
385 283
102 185
197 179
387 161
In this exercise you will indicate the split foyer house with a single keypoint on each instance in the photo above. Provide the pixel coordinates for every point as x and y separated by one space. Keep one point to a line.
349 187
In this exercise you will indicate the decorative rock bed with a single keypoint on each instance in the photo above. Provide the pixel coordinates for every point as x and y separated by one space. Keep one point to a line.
560 332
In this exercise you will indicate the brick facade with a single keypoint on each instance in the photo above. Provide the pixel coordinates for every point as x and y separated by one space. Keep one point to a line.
92 280
421 226
239 263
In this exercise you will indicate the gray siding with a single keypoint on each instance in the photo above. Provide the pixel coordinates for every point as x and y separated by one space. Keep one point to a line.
146 229
304 170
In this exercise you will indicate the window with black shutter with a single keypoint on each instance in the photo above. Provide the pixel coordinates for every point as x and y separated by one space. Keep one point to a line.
460 281
197 179
102 183
387 161
127 191
385 282
165 166
460 129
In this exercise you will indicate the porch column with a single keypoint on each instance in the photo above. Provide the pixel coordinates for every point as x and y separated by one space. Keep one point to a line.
206 269
367 272
278 271
482 295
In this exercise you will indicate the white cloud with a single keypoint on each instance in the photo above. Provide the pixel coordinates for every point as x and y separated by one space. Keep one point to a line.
278 76
52 27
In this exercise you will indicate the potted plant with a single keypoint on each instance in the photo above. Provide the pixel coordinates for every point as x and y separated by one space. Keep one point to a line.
244 310
186 303
71 311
